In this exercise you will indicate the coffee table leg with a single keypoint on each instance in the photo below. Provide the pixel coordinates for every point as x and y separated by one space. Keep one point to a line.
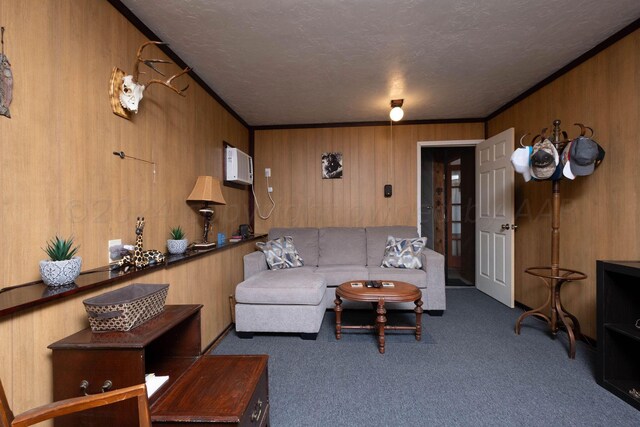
381 320
338 310
418 311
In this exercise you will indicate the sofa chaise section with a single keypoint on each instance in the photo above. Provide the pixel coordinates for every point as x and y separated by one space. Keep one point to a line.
281 301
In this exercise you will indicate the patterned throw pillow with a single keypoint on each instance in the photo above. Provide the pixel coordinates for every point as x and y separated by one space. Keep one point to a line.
281 253
403 253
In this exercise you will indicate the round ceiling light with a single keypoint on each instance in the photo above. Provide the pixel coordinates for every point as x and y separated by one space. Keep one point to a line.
396 112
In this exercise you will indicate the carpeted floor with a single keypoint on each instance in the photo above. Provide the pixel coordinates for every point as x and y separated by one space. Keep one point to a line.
458 282
470 369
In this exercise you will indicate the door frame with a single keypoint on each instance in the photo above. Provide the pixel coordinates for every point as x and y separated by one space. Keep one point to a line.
434 144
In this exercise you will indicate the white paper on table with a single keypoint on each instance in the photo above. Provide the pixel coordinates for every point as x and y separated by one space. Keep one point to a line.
154 382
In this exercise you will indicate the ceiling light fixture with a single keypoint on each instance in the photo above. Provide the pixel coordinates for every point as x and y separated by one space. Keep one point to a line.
396 112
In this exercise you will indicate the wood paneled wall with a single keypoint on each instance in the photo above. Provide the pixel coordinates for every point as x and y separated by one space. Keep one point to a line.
58 174
599 212
372 157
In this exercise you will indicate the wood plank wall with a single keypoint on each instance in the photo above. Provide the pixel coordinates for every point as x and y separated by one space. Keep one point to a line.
372 157
58 174
598 213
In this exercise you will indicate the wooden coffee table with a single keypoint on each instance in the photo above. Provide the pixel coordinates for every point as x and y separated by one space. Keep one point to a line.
356 290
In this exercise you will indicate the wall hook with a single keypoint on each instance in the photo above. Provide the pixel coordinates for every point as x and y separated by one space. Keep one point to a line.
123 156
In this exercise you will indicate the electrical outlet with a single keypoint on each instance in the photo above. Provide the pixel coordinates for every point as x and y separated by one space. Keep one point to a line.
270 189
267 172
115 242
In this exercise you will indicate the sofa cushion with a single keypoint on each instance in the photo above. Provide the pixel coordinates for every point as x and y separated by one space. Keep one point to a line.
409 275
342 245
403 253
293 286
336 275
377 239
281 253
305 240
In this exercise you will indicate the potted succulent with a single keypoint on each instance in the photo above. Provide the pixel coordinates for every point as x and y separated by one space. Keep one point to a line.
177 244
62 267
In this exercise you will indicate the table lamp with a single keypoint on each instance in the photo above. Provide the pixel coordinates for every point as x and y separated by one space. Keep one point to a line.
206 190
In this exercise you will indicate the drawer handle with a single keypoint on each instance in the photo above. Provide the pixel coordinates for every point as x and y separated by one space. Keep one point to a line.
84 385
255 416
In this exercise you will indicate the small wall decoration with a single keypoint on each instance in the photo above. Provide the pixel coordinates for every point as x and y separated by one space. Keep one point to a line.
6 81
126 91
331 165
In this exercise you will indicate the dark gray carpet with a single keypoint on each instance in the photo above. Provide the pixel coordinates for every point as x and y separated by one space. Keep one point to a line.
458 282
470 370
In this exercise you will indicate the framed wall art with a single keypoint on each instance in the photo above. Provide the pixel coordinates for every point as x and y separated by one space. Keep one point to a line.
331 165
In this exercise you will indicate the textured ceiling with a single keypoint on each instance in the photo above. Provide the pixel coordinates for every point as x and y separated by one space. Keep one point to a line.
282 62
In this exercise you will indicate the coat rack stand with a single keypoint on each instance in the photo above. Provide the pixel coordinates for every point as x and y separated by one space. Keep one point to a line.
555 276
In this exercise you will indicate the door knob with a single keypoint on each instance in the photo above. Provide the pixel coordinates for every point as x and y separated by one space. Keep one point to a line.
505 226
514 227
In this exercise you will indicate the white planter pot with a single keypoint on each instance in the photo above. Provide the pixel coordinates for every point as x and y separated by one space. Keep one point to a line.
177 246
59 273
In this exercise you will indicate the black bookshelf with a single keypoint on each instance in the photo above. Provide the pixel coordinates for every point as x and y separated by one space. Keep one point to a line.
618 305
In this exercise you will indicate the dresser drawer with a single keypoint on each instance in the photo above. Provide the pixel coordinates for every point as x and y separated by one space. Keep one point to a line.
257 412
218 390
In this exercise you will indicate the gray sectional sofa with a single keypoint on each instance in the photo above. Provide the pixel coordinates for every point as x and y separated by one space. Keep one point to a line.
295 299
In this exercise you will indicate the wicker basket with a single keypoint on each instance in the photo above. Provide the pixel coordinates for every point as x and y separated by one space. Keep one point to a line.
125 308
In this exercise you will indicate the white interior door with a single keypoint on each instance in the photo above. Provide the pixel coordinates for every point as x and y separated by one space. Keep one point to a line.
495 217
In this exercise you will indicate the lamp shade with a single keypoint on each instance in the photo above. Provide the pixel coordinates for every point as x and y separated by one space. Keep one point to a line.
207 189
396 113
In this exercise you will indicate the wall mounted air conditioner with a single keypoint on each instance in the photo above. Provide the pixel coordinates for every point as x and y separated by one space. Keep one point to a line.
239 166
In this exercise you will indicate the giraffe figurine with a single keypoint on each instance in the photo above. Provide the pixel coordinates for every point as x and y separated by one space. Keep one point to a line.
141 258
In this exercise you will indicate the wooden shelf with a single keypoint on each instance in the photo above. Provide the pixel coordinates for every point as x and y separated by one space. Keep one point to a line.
29 295
630 331
138 338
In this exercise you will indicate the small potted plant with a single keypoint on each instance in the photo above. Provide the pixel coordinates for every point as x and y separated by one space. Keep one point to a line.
177 244
62 267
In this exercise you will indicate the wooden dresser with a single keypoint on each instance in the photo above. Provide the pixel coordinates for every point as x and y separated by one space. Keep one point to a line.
201 390
220 390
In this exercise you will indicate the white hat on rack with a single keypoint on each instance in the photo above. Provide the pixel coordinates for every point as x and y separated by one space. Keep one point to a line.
520 161
566 156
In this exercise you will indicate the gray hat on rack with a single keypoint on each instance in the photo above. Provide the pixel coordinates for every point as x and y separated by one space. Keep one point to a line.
584 155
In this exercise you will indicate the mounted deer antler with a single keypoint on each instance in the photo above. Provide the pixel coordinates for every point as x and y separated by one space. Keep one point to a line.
168 84
150 63
127 91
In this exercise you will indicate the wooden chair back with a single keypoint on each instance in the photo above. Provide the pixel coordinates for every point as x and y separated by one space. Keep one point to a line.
76 404
6 416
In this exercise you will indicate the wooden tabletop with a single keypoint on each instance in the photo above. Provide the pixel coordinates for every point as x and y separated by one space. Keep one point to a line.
138 337
217 389
400 292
